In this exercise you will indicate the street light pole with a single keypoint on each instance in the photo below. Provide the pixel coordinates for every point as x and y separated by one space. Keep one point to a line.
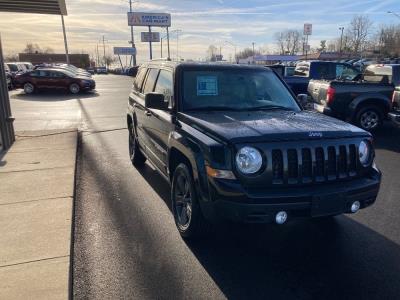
65 40
341 40
253 51
232 44
393 13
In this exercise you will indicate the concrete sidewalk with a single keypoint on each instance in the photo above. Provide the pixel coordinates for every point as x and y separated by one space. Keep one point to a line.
36 207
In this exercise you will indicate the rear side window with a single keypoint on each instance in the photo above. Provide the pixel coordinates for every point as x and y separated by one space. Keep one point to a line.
164 85
137 84
323 71
150 81
302 70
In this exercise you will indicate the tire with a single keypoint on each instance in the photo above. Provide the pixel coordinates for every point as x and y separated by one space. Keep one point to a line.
29 88
135 154
189 219
74 88
369 118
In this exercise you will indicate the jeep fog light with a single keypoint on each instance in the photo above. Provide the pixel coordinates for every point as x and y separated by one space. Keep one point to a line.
355 206
249 160
281 217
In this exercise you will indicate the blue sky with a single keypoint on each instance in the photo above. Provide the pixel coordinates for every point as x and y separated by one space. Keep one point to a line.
201 23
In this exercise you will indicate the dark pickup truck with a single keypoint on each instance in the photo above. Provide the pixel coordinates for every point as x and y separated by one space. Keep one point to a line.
234 144
365 101
306 71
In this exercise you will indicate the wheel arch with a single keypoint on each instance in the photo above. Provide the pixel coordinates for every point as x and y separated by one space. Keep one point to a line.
372 99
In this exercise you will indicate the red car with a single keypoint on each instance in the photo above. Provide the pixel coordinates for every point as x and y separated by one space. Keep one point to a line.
53 79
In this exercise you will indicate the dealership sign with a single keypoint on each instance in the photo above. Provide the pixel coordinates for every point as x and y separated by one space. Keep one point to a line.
124 51
153 37
149 19
307 29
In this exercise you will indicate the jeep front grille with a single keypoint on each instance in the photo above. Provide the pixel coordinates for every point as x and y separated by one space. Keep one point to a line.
313 164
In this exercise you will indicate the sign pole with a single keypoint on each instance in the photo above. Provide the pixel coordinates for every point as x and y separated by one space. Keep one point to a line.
65 40
150 45
169 57
120 61
161 47
307 47
132 37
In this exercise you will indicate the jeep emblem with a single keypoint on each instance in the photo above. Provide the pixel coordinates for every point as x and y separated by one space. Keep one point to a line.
315 134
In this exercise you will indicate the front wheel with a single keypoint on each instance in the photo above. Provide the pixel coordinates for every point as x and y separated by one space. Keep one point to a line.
369 118
74 88
135 154
29 88
186 209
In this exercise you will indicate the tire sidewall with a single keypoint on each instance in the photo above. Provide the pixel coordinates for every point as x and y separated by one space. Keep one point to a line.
31 91
376 109
182 168
72 90
138 159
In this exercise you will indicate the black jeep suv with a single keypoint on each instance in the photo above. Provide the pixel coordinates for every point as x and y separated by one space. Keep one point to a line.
235 144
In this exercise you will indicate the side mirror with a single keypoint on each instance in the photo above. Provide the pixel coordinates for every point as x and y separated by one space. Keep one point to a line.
155 101
303 100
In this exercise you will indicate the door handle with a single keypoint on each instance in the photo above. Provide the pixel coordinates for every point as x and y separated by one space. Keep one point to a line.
148 113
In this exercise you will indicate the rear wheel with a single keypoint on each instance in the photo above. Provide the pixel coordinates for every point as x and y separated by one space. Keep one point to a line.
29 88
74 88
185 206
369 117
135 154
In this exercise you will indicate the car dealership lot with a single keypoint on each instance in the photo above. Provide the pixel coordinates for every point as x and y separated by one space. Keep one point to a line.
126 244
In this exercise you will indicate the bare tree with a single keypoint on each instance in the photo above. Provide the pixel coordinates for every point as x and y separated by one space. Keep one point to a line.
288 41
246 52
388 40
358 32
32 48
212 52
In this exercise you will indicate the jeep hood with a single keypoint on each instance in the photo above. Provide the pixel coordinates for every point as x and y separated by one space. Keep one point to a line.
264 126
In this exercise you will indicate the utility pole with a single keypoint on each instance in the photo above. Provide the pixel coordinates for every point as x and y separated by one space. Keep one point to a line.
177 44
132 37
150 44
65 40
104 51
169 56
341 40
253 51
232 44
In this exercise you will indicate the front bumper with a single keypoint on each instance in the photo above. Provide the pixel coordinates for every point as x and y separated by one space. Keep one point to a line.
262 205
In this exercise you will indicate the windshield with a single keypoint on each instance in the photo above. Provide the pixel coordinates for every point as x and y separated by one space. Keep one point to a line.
230 89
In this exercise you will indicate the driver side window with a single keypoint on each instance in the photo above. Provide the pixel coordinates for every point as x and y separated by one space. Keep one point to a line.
165 86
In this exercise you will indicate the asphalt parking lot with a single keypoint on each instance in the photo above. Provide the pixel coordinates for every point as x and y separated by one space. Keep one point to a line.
126 244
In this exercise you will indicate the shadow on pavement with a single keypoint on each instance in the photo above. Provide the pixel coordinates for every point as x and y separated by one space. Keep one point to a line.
388 137
51 96
307 259
336 259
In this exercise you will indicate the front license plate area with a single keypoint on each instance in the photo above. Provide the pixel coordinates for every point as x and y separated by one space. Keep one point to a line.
325 205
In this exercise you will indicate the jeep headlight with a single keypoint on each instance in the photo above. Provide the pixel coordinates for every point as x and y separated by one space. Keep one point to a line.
364 153
249 160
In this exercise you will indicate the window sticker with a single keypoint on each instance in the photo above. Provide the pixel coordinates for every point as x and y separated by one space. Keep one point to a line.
207 86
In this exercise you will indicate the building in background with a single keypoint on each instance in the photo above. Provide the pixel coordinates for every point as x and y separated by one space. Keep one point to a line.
78 60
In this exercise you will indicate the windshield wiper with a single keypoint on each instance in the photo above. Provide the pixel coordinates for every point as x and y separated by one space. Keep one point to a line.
270 107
